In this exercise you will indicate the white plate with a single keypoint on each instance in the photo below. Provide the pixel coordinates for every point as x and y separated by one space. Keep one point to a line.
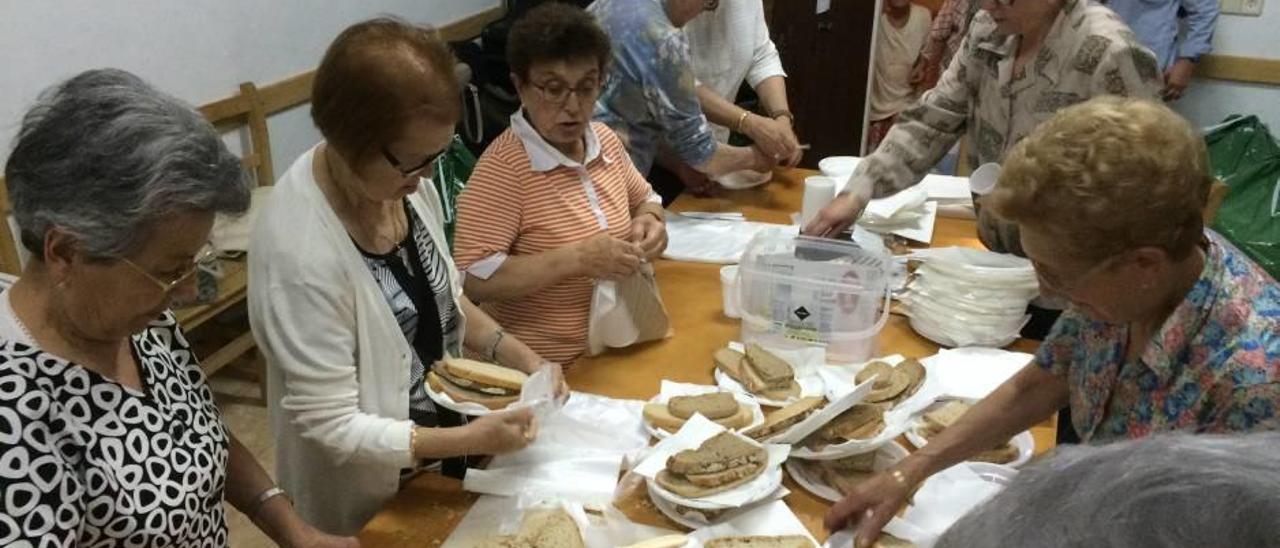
1024 441
744 179
995 473
757 415
810 385
668 509
772 478
886 457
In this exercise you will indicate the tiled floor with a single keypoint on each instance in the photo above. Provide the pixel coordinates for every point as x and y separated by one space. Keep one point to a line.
247 419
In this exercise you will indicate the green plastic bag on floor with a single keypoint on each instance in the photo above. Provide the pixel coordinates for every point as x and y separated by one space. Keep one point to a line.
1244 155
453 168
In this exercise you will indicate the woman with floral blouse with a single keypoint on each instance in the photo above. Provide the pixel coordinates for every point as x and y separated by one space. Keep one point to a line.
1170 326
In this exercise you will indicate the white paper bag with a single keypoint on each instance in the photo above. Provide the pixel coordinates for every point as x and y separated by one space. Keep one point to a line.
627 312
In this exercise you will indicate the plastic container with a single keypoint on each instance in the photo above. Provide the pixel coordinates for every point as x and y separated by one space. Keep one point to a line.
798 291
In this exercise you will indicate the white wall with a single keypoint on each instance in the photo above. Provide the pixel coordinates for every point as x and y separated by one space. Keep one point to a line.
1207 102
199 50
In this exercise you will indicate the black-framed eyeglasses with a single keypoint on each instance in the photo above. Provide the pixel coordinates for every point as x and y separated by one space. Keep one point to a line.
558 93
414 170
710 5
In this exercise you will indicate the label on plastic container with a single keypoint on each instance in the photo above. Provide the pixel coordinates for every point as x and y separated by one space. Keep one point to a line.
811 311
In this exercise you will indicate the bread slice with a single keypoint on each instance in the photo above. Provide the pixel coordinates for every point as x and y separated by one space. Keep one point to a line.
549 529
717 479
790 541
771 369
734 364
716 405
1004 454
460 394
857 463
915 373
889 541
860 422
669 541
842 480
660 417
782 419
685 487
945 415
487 374
729 361
717 454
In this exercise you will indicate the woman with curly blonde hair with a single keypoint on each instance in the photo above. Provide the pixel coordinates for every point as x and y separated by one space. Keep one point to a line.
1170 326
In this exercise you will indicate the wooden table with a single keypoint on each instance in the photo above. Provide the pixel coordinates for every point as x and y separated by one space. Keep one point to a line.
430 506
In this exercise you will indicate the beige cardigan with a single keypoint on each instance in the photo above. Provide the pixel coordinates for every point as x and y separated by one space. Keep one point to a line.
338 363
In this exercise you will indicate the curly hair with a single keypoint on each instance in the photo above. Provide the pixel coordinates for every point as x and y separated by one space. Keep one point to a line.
556 31
1109 175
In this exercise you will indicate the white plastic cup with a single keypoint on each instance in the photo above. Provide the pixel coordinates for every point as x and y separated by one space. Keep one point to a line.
983 180
818 192
729 291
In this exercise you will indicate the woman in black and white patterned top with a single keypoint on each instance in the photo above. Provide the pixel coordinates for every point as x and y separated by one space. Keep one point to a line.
109 434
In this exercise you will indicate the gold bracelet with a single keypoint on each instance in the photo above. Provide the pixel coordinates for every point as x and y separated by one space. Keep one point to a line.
899 477
737 128
413 442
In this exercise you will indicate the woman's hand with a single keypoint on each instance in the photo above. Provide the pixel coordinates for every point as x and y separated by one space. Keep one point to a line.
836 216
604 257
869 507
773 137
649 233
498 433
557 377
310 537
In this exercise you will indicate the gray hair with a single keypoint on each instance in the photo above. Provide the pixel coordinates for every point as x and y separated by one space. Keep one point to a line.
1163 491
103 155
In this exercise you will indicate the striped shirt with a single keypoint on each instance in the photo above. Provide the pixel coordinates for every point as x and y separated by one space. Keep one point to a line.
525 198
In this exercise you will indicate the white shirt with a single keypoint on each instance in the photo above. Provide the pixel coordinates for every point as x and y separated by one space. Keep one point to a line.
729 45
896 52
338 365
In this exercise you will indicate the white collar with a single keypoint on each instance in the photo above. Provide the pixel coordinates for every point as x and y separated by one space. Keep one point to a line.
543 156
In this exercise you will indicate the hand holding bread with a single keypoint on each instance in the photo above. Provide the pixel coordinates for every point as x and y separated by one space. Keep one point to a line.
504 432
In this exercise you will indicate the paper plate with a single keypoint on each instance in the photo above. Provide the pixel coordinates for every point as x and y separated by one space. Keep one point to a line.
744 179
810 385
888 455
695 521
995 473
466 408
892 429
757 414
770 479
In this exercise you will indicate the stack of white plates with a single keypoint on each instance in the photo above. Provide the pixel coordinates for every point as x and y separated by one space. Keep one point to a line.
970 297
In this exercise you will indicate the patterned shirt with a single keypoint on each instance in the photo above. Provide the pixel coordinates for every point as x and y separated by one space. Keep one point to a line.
1214 366
649 97
1088 52
950 26
86 461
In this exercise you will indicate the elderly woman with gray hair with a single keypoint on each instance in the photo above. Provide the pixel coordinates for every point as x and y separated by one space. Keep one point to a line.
1161 492
109 434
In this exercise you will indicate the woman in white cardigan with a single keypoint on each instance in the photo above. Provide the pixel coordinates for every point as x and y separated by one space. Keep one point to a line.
353 295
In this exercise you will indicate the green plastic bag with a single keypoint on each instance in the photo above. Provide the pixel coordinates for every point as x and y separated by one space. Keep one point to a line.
453 168
1244 155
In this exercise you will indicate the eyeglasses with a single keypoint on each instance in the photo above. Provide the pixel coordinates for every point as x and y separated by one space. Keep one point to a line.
206 259
558 93
710 5
1056 284
414 170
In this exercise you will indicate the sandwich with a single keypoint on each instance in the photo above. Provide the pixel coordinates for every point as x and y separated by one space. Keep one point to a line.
779 421
892 384
490 385
759 371
722 462
540 529
937 420
860 422
790 541
844 474
720 407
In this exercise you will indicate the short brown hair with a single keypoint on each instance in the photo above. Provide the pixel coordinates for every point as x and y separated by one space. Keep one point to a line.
1107 176
555 31
377 76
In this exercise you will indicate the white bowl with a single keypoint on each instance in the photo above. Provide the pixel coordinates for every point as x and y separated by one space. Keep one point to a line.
838 167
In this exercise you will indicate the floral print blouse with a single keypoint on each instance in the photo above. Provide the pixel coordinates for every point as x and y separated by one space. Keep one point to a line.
1214 366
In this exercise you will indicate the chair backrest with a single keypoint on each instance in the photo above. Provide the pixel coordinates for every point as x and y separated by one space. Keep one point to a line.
248 111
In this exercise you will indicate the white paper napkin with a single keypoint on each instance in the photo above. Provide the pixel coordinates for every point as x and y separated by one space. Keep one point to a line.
896 527
946 497
972 373
771 519
697 430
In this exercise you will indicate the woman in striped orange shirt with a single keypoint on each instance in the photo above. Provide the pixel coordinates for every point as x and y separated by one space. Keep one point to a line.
555 203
